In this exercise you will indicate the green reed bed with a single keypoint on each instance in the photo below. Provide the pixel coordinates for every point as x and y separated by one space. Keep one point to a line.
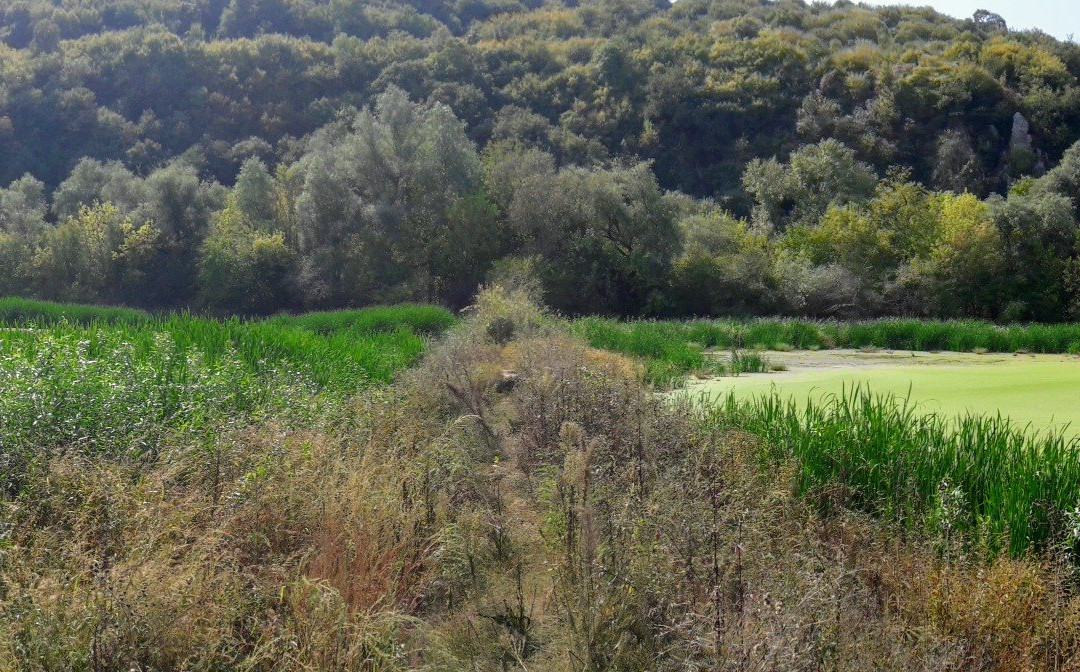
746 361
668 351
981 477
422 319
957 336
15 311
676 348
123 389
664 347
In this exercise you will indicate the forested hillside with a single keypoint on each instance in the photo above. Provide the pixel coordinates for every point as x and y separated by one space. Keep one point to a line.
626 156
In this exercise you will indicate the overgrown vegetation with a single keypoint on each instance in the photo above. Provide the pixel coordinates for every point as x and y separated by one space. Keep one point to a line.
394 488
516 501
637 157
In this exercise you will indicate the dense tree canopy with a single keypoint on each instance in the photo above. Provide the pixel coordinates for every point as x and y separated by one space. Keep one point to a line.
636 156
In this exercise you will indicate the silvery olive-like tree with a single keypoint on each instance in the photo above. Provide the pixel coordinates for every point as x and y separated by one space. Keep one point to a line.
378 190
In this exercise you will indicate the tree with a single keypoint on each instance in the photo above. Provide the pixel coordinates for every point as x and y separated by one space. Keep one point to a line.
382 196
1063 179
829 290
475 238
848 238
98 256
967 260
92 182
956 166
990 21
1038 234
724 269
255 196
23 222
247 18
243 266
801 190
23 207
181 207
907 216
373 216
607 241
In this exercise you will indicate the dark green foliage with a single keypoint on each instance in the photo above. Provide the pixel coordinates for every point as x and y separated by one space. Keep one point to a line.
300 154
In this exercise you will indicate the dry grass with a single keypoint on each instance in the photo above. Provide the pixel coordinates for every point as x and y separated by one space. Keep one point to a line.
517 502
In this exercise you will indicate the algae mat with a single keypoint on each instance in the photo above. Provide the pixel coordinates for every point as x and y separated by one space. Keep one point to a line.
1042 391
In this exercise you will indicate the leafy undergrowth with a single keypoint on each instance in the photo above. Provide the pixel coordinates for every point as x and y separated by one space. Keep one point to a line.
516 501
672 349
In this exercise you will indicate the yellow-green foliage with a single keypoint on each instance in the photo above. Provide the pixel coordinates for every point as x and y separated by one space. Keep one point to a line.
94 253
242 266
1017 63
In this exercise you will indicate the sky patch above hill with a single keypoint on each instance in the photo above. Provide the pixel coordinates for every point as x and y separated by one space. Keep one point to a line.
1060 18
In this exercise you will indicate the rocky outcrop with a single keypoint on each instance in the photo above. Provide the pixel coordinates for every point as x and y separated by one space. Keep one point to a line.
1021 134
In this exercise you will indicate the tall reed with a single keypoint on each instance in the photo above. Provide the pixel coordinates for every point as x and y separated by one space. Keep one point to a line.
996 482
122 384
672 349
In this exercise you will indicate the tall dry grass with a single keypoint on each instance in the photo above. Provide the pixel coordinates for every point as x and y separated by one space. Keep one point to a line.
517 501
